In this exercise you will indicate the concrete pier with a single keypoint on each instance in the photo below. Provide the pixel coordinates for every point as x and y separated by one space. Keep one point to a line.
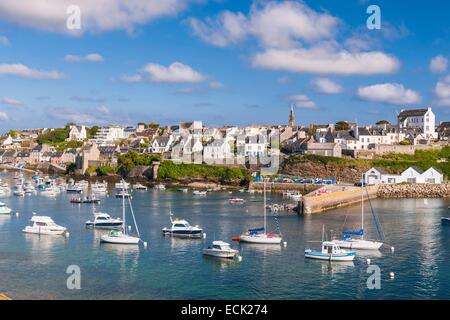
303 188
334 196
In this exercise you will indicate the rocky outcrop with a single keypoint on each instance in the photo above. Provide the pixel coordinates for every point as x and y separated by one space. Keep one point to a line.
414 190
311 169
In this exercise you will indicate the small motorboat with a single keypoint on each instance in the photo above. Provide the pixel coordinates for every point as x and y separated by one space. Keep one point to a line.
330 252
4 209
44 225
123 194
99 188
221 249
445 220
296 196
182 229
159 187
184 190
139 186
236 200
199 192
74 189
18 191
76 200
104 221
91 199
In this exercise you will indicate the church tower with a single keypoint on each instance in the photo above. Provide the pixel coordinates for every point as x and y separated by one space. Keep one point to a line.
292 117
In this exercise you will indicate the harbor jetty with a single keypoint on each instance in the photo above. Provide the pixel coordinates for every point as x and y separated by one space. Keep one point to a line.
303 188
332 197
416 190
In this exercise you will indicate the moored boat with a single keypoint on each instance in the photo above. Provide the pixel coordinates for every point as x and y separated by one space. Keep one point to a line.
221 249
260 235
104 220
122 236
4 209
44 225
330 252
182 229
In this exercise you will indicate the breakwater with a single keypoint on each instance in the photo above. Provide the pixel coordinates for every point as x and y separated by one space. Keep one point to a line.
332 197
303 188
414 190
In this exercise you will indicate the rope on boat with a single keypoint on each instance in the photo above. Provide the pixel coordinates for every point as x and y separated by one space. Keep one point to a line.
134 219
376 221
277 222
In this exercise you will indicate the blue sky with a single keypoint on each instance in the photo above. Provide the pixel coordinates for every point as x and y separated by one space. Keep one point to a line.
224 62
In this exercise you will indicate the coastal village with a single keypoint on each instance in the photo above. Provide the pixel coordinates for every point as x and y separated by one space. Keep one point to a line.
97 150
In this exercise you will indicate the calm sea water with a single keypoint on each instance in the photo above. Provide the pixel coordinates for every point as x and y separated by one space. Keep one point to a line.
33 267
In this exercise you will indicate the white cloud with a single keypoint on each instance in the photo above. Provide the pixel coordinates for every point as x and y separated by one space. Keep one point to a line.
216 85
391 93
228 28
302 101
439 64
4 41
11 102
91 57
23 71
96 16
296 38
283 24
4 116
70 115
175 73
326 60
274 24
103 109
442 92
325 85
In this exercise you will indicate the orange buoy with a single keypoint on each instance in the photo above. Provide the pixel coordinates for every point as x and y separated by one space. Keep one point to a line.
235 239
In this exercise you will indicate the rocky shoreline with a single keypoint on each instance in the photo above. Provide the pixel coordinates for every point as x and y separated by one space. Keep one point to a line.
414 190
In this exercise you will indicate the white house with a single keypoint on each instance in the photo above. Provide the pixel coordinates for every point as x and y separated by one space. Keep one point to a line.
412 175
432 175
108 135
423 119
76 134
217 151
161 144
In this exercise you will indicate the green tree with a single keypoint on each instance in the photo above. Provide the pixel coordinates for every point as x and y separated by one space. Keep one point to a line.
342 125
381 122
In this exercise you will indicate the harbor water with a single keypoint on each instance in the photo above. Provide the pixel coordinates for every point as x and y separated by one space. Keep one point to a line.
34 267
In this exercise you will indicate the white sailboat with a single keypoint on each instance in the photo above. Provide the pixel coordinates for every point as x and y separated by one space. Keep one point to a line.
122 236
358 243
260 235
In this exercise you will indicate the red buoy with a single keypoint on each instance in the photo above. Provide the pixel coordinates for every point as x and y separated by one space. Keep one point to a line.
235 239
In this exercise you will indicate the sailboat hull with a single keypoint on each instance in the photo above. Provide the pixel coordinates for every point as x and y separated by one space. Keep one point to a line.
122 239
359 244
263 239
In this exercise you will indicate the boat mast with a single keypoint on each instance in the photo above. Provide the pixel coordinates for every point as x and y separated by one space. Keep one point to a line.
265 223
123 208
362 205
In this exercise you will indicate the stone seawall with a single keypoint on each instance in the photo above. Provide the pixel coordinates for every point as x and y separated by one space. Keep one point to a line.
414 190
338 196
303 188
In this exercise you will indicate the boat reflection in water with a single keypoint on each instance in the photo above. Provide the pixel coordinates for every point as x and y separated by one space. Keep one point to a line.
43 248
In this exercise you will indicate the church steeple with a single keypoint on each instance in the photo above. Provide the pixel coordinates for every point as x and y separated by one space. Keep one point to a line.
292 117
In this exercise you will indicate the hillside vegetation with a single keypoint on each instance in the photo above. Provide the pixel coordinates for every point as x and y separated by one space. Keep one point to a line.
309 166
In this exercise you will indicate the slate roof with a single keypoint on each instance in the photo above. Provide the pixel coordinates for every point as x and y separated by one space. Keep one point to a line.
411 113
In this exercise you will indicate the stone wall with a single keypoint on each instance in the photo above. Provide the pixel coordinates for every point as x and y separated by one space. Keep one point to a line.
422 190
